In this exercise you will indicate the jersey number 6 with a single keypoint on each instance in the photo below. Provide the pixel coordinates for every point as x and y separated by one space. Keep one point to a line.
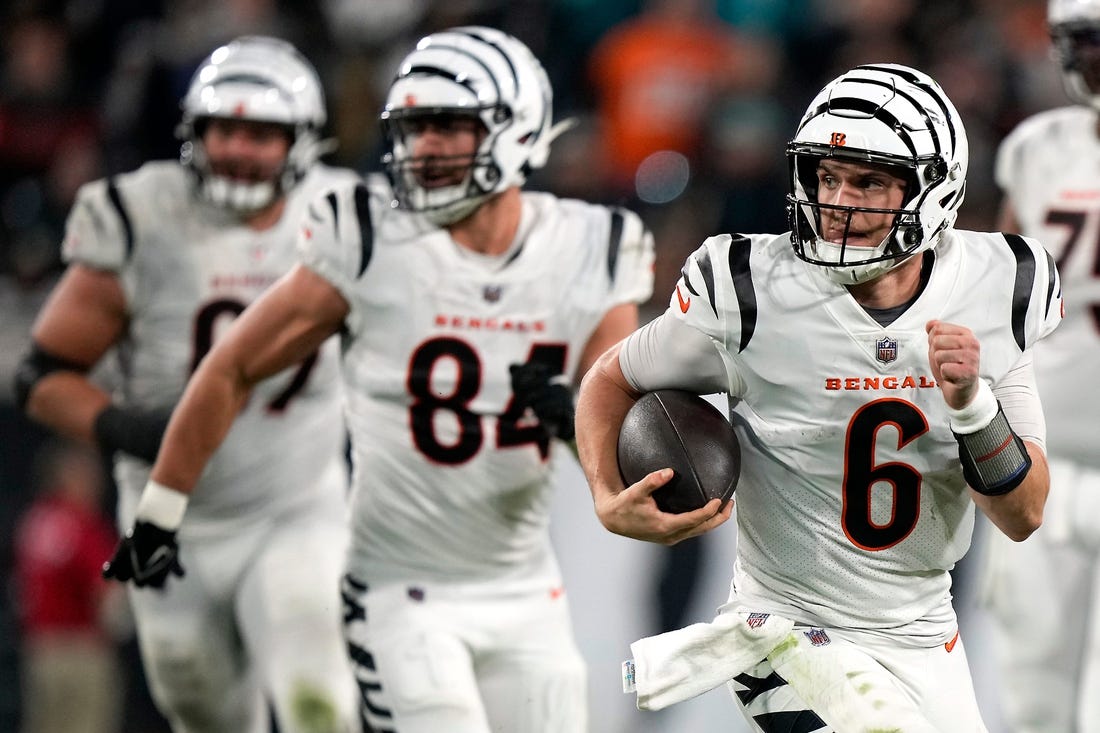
861 473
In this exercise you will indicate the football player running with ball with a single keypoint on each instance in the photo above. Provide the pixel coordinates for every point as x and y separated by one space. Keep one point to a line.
880 376
466 313
1045 593
161 260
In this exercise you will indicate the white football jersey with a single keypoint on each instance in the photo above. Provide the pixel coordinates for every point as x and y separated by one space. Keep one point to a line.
1049 168
851 504
187 269
451 480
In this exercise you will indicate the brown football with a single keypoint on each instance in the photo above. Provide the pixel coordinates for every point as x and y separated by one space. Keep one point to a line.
670 428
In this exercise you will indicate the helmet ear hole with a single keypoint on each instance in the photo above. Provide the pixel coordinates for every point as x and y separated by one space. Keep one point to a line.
935 172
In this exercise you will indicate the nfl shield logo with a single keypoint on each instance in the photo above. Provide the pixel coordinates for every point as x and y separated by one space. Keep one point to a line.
491 293
817 637
756 620
886 349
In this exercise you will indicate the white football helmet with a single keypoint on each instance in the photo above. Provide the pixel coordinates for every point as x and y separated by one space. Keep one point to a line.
1075 32
254 78
482 73
884 114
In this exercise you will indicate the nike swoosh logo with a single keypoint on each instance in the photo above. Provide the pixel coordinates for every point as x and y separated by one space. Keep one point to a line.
951 644
684 304
157 561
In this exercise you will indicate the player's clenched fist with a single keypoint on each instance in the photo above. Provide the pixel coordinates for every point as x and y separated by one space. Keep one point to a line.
954 354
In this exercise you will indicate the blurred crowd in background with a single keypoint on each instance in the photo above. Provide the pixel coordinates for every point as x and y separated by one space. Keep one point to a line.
683 109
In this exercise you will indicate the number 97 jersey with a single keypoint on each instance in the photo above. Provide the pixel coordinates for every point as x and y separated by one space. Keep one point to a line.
451 478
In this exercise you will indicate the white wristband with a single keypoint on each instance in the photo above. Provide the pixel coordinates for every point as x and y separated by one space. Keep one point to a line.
161 506
978 414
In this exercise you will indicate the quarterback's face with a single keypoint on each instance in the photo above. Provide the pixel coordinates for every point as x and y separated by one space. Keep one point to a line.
443 147
245 151
844 183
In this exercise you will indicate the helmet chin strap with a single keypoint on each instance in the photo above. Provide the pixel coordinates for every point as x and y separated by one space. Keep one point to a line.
853 274
856 274
243 198
454 211
449 204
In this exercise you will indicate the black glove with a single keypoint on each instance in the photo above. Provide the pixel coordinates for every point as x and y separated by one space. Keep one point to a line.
552 402
146 555
133 431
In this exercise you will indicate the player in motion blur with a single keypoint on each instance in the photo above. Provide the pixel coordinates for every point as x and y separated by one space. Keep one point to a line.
865 365
1045 593
161 260
466 312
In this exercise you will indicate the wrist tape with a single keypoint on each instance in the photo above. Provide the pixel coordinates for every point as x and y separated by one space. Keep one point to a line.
994 459
161 506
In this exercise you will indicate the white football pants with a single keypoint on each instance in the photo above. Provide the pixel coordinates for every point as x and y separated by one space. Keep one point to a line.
434 658
837 681
255 621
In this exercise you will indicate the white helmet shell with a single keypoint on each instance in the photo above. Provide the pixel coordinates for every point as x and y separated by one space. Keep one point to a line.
484 73
262 79
1074 27
879 114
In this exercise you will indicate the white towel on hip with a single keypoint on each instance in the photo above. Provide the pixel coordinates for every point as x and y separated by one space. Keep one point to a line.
678 665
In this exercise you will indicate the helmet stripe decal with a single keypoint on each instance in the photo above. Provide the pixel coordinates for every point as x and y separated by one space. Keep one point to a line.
247 79
919 109
511 67
838 105
285 94
921 84
498 49
436 71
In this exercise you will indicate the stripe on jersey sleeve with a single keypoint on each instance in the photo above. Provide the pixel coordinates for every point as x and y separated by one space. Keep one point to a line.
741 274
614 241
1052 281
702 261
330 197
116 200
1021 290
366 227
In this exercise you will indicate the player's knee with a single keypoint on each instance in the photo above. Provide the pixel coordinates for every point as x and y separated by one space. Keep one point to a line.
310 709
179 688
